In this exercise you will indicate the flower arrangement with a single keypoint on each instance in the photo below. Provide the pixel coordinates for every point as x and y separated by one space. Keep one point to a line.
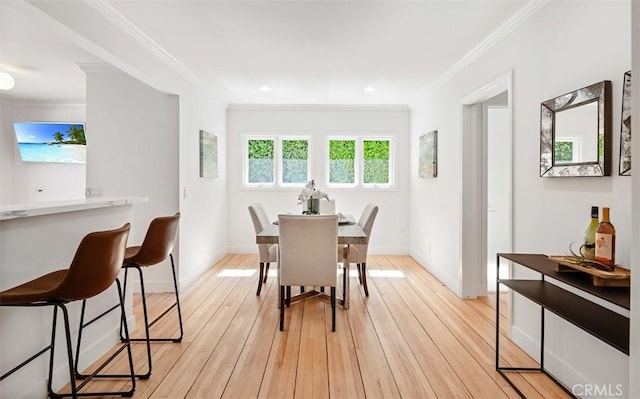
311 195
310 191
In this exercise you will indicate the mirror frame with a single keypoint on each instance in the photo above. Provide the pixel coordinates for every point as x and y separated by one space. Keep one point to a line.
625 127
600 92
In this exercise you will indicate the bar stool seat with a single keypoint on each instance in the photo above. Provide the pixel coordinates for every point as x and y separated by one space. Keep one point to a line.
38 290
93 270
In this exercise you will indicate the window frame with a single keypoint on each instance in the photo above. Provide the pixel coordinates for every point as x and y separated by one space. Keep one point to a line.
280 159
391 161
277 159
359 161
318 162
245 160
327 161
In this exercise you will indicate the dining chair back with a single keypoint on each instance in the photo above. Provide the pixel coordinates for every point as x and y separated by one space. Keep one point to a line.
308 257
268 252
327 207
358 253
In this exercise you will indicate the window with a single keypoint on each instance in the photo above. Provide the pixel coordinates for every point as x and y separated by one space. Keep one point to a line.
295 161
283 161
260 157
365 162
376 161
286 157
342 158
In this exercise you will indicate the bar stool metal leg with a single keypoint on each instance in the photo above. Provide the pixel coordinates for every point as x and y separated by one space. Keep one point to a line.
124 326
96 374
147 325
176 304
72 379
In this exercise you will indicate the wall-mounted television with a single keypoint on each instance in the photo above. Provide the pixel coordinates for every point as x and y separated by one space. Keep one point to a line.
51 142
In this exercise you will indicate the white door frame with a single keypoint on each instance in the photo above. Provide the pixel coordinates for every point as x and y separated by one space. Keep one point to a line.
473 192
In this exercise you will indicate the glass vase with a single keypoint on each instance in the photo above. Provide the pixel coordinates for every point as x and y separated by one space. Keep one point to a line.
313 206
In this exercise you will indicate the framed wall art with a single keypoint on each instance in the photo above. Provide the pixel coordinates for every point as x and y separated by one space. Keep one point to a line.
428 161
625 127
208 154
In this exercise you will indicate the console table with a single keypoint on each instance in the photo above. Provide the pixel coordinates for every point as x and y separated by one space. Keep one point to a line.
603 323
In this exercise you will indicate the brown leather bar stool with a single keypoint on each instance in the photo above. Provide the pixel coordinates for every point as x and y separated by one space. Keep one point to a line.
94 268
156 247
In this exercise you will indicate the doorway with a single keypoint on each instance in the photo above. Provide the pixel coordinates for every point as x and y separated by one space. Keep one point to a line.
474 229
497 133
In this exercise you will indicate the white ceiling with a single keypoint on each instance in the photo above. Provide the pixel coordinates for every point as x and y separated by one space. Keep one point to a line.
320 52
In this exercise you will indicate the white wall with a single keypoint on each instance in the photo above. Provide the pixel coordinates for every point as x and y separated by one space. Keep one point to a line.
203 201
390 233
134 150
147 144
202 237
554 52
20 181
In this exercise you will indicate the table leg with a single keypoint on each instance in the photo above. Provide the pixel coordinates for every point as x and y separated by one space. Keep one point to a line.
345 277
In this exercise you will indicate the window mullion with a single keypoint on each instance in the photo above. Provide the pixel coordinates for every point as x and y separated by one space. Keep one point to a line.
359 163
277 164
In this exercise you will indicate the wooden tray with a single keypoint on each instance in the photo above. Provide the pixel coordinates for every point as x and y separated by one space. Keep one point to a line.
619 277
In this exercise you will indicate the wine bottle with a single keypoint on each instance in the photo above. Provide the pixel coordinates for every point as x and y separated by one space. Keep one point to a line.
589 247
606 241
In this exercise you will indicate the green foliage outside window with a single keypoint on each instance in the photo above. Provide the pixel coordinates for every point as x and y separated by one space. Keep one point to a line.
376 161
294 161
261 161
342 155
563 151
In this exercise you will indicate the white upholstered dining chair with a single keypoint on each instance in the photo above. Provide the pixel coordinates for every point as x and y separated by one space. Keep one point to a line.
268 252
327 207
307 256
358 253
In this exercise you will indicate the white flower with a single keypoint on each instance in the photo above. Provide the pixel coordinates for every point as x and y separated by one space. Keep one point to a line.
310 191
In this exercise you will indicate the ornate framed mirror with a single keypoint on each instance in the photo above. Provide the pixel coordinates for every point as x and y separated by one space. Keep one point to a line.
575 133
625 127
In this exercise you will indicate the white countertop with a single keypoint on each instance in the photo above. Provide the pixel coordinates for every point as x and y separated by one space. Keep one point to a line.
13 211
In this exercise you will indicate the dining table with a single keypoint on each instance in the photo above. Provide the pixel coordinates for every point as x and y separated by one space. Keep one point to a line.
349 233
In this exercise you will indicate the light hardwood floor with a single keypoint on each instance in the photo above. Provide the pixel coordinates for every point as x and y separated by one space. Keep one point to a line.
411 338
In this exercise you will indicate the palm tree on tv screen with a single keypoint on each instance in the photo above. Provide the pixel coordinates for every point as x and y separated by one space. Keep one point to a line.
58 137
76 134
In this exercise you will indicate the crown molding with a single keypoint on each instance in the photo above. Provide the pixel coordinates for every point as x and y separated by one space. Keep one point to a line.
127 26
317 107
503 30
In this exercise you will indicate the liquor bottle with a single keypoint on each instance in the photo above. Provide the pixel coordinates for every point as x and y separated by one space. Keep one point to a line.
606 241
589 247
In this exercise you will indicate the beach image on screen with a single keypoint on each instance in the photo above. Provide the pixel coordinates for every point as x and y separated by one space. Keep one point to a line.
51 142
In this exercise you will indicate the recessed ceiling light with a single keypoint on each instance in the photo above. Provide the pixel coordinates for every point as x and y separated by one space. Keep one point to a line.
6 81
370 89
264 88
